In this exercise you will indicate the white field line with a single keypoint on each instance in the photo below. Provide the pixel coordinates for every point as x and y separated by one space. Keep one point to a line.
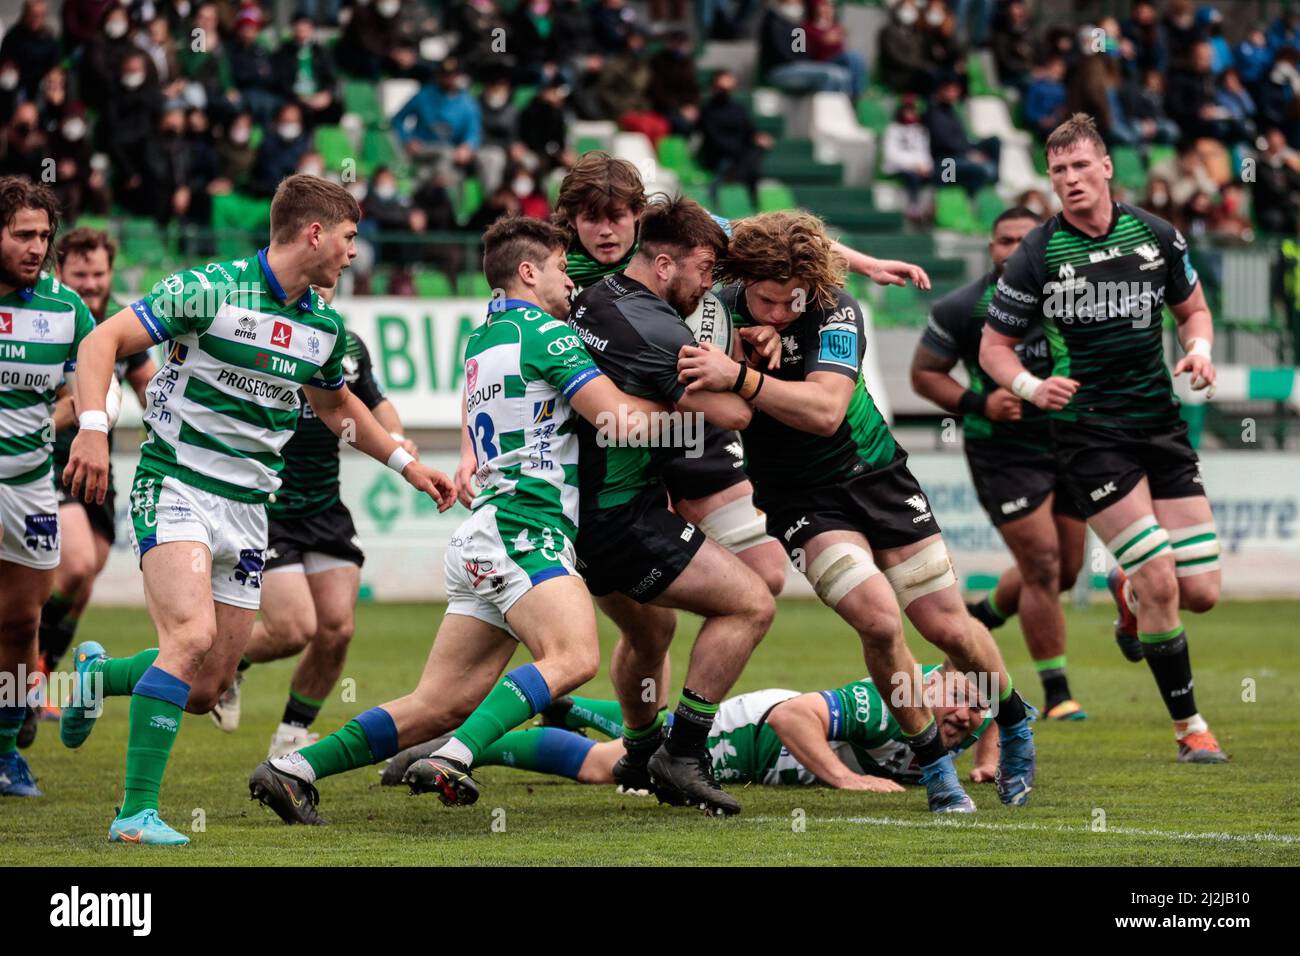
1038 827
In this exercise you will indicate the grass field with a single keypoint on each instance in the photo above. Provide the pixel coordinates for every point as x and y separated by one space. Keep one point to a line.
1120 762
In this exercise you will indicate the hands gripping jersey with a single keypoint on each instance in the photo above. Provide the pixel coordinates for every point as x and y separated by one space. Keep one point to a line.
41 328
309 482
227 400
1099 301
956 324
781 459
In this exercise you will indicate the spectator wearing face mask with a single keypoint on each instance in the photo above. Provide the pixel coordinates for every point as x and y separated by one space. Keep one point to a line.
235 155
32 46
783 59
905 153
126 128
1182 32
23 148
1144 105
944 50
169 167
102 58
78 186
903 67
252 67
52 99
1157 198
613 22
386 211
538 46
543 127
1036 201
369 45
11 93
1013 46
1228 219
1276 190
205 165
81 21
1045 97
155 42
207 69
730 145
532 201
500 143
476 24
440 127
306 74
675 92
1146 35
503 202
281 148
975 164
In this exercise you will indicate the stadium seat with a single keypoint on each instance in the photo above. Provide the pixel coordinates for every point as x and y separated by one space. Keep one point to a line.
432 285
523 96
675 153
379 149
774 196
394 94
473 284
362 97
875 113
733 201
334 146
471 197
379 283
988 206
952 210
840 138
1129 171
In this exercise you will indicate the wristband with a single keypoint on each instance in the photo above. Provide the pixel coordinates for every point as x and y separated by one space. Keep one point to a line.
972 403
399 459
740 378
1025 384
761 379
94 421
1198 346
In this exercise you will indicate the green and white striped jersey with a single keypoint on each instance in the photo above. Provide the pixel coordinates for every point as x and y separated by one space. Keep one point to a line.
521 367
226 401
41 327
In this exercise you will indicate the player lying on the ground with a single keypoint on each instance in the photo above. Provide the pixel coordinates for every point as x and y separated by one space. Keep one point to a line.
640 559
844 738
1009 450
1095 277
837 491
41 324
510 565
86 532
313 563
246 336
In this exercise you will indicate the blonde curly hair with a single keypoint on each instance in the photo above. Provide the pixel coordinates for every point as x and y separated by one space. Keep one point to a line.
782 246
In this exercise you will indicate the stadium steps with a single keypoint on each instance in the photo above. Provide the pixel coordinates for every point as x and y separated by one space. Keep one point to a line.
432 285
774 196
952 210
334 145
792 161
846 208
362 97
675 153
474 285
734 202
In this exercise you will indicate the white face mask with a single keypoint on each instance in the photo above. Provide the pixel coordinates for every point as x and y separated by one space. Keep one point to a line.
907 15
239 135
522 186
9 80
386 190
935 17
792 11
74 129
133 80
495 101
289 130
115 28
389 8
312 169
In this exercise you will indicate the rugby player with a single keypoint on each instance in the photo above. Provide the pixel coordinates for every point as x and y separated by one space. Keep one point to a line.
510 565
640 558
844 738
313 563
42 322
246 336
1009 452
1095 277
84 261
837 492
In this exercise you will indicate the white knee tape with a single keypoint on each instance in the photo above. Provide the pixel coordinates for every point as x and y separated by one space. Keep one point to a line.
1142 541
925 572
838 570
1196 549
736 525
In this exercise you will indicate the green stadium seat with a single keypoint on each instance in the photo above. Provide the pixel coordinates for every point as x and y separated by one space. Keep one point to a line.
952 210
87 221
379 283
471 197
585 144
874 113
473 284
734 202
432 285
987 208
362 97
523 96
773 197
378 148
237 221
1129 171
334 146
901 305
1157 154
977 81
675 154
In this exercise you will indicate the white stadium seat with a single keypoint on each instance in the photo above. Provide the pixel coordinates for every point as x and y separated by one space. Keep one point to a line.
838 137
396 93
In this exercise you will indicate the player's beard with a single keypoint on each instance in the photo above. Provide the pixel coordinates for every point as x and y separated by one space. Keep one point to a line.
683 302
12 275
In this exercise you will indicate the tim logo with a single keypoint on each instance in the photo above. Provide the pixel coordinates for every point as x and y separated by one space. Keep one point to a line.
248 571
262 360
543 411
6 323
281 335
246 327
471 374
41 532
478 570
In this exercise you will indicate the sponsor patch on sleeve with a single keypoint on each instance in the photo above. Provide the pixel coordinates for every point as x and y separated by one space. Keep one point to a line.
839 346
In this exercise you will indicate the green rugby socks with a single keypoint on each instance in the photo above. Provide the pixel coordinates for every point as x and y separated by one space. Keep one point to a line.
157 705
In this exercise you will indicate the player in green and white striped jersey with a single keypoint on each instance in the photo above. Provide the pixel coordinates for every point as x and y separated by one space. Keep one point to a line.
510 566
246 336
41 324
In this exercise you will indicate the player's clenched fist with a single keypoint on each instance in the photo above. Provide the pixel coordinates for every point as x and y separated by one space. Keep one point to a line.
766 342
1201 368
703 367
432 482
88 466
464 480
1003 406
1054 393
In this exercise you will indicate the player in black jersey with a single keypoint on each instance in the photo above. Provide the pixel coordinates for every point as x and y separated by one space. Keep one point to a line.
1095 278
1009 450
639 558
837 491
313 564
84 262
